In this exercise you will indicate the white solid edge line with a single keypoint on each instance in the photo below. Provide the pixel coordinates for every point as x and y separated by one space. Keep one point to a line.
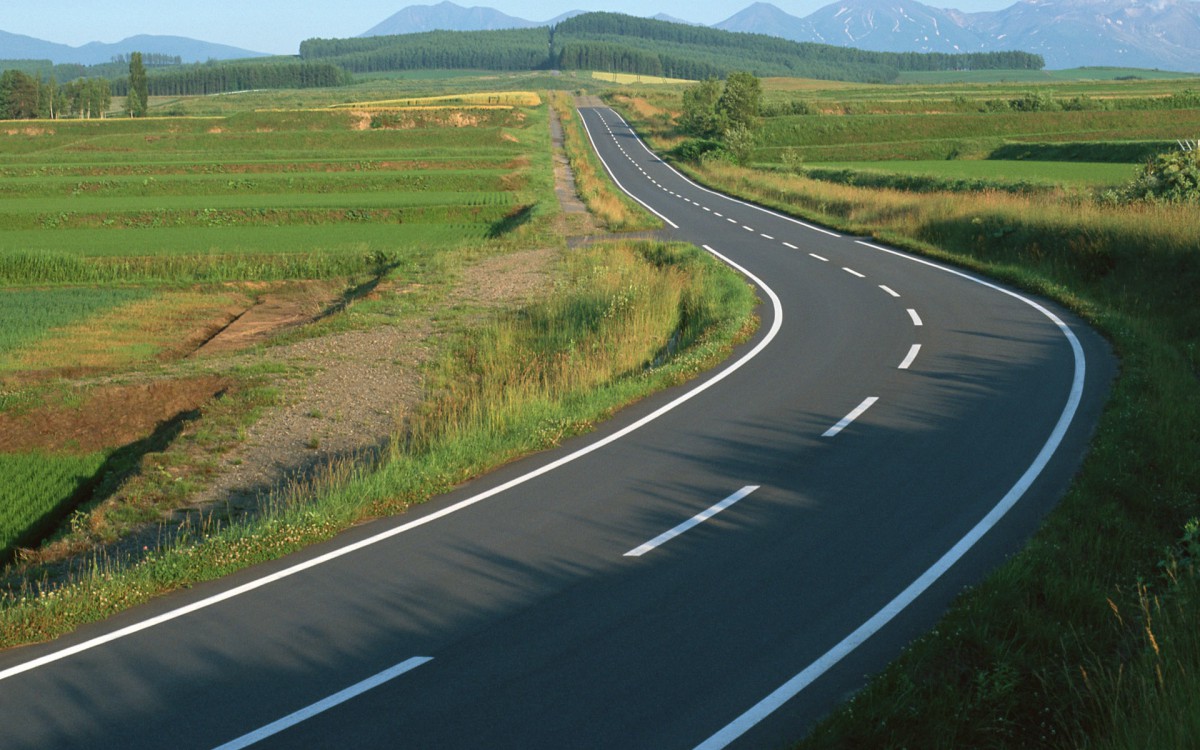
849 418
321 706
466 503
916 319
912 357
826 661
613 177
695 520
722 196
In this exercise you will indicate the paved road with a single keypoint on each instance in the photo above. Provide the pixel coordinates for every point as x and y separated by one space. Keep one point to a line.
720 563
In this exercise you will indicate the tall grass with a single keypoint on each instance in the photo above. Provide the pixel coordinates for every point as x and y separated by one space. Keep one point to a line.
617 212
626 319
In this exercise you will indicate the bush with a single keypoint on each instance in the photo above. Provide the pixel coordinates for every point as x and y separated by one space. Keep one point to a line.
1172 177
694 149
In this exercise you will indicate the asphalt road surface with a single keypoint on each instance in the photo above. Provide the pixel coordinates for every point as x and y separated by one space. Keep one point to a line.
719 565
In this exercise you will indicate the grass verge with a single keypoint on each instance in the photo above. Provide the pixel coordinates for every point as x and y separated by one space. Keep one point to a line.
629 319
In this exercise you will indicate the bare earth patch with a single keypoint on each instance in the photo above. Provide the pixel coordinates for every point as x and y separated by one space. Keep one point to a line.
109 417
358 387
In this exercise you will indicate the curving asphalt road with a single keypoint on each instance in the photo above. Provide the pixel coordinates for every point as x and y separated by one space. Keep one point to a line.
722 563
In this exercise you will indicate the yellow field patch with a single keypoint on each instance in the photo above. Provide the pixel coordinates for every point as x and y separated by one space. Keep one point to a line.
627 78
811 84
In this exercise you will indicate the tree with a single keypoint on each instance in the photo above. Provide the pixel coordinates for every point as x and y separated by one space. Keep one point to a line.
18 96
138 98
88 97
741 101
740 142
700 117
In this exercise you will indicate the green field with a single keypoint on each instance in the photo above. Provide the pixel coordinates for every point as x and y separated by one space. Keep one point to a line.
27 314
1089 174
35 485
1041 76
151 220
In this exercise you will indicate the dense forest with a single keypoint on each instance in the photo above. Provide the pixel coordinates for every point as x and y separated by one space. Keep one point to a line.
217 78
593 41
625 44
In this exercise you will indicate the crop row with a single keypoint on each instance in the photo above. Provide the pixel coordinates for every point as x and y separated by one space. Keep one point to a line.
85 204
269 217
466 180
35 485
882 131
266 145
330 163
227 254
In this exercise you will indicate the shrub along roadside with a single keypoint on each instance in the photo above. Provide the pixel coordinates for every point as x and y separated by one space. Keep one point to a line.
1040 654
630 319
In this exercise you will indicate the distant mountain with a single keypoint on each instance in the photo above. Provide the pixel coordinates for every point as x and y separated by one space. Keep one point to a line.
764 18
447 16
893 26
673 19
20 47
1067 33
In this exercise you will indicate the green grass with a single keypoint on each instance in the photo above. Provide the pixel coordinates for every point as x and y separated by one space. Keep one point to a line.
1042 172
95 215
27 314
1041 76
34 486
818 138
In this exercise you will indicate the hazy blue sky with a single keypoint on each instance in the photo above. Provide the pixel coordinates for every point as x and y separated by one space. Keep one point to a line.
279 26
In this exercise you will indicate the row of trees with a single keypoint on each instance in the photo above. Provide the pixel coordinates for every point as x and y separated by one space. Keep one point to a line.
24 97
222 78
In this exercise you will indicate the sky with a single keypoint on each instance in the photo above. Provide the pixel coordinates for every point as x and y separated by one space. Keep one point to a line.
278 26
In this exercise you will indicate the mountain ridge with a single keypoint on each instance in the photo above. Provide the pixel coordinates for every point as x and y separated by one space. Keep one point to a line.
22 47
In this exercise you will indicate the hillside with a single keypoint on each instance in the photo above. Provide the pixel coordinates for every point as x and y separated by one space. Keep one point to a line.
626 44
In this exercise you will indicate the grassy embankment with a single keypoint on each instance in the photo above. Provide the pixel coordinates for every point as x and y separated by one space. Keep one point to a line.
1088 637
189 217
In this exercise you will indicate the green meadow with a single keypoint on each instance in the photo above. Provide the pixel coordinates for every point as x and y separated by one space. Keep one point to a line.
127 233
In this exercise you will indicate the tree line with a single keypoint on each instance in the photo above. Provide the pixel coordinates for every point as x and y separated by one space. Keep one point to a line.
217 78
24 97
625 44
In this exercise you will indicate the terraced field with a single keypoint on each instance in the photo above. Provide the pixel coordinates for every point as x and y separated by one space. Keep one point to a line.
125 244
